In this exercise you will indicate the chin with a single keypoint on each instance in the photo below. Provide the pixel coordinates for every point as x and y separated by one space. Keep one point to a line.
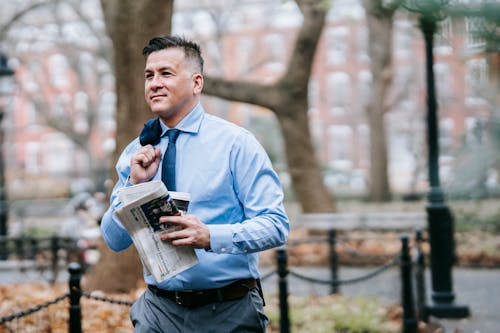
159 109
164 114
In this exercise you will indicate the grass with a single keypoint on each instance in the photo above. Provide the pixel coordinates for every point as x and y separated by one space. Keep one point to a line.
335 314
477 215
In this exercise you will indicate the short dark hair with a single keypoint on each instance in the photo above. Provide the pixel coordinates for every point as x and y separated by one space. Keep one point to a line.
191 49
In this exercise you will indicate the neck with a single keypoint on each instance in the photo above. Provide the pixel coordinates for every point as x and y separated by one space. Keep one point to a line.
176 116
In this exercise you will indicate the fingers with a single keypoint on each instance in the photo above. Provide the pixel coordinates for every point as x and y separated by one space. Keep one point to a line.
146 156
182 237
144 164
181 220
193 233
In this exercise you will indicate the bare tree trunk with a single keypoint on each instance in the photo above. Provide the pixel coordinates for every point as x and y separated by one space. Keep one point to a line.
130 25
380 21
303 165
115 272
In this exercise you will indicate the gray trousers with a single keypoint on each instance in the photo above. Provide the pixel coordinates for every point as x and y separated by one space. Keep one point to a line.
156 314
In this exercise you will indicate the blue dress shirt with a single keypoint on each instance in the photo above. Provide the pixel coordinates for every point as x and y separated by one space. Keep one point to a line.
234 191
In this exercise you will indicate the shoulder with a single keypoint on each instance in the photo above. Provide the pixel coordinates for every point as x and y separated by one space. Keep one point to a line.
239 140
226 128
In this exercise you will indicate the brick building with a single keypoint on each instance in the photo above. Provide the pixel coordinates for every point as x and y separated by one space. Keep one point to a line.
252 39
256 39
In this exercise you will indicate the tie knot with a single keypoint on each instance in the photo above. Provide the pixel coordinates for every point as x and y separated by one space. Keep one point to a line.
173 134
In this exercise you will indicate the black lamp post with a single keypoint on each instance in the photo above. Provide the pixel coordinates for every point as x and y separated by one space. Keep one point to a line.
439 216
6 87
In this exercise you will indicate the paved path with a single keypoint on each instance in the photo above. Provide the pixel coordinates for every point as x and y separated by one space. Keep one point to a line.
477 288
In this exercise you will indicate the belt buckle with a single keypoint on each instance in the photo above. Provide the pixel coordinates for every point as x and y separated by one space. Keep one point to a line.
178 299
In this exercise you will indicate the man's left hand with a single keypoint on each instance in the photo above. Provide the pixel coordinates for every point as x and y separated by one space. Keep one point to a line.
193 233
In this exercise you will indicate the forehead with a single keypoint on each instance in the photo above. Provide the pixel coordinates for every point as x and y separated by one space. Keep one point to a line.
171 57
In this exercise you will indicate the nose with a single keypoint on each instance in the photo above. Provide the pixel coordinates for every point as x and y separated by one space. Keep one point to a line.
154 82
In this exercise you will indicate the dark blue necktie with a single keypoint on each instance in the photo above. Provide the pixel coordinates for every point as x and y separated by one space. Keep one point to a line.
168 165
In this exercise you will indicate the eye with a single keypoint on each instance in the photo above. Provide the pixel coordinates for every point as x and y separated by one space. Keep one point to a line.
148 75
166 73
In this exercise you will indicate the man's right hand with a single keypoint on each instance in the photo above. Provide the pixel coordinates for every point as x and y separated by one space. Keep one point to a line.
144 164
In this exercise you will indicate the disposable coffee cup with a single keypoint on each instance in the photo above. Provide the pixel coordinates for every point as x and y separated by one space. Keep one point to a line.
181 200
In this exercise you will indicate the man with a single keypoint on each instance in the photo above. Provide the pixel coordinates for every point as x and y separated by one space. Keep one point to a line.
236 207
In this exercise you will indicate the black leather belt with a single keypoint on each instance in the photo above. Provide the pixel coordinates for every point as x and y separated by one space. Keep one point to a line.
194 298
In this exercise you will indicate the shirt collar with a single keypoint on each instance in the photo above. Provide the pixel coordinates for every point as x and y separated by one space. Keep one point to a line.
191 122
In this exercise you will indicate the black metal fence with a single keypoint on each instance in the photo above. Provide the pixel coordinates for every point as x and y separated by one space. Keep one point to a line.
411 267
74 296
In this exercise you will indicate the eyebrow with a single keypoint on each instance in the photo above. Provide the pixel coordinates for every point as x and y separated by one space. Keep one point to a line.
170 68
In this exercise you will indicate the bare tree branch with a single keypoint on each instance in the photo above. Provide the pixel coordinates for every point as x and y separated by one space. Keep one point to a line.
241 91
4 29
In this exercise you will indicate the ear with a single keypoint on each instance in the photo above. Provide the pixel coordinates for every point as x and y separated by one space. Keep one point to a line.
197 83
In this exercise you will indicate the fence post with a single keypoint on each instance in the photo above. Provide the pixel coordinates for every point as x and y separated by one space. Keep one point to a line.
19 246
283 289
334 262
54 249
410 324
420 278
33 248
4 250
75 313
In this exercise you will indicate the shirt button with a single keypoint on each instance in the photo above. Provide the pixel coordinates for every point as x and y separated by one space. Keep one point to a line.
223 250
245 250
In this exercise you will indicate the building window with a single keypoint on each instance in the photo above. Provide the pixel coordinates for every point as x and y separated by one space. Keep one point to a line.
214 55
245 53
473 28
364 89
337 45
275 46
476 78
62 105
339 93
442 43
32 161
31 114
59 68
107 105
80 123
363 133
446 136
403 38
444 83
54 161
474 130
340 142
343 10
363 44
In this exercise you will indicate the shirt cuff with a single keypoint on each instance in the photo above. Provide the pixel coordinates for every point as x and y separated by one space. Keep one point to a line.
221 238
